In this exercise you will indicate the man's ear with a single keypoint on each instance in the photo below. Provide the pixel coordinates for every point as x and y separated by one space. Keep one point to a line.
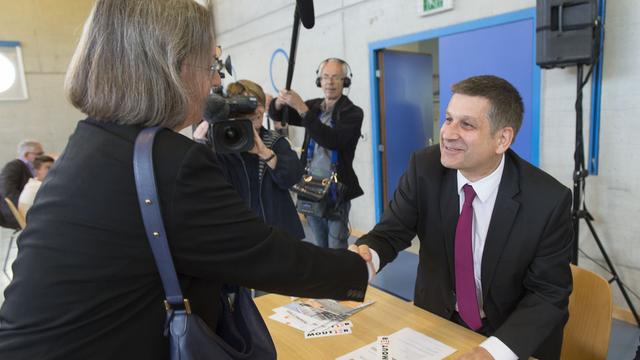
504 137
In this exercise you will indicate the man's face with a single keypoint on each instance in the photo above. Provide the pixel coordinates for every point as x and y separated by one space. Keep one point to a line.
331 80
33 153
43 170
466 142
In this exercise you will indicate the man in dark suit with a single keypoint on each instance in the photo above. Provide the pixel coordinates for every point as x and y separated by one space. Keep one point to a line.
495 232
14 175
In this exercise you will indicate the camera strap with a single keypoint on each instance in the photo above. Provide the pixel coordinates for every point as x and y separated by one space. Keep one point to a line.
311 147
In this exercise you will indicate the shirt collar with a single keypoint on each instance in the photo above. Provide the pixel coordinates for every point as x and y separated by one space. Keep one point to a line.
485 186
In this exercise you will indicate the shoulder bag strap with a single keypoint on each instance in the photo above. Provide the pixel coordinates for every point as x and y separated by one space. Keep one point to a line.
151 215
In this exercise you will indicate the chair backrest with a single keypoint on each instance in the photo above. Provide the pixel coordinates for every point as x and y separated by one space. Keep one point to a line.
16 213
586 335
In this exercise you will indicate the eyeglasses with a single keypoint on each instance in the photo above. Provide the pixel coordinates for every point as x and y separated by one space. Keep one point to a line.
217 67
39 153
331 78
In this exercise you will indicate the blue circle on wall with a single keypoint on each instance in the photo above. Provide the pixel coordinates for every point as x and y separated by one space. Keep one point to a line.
273 56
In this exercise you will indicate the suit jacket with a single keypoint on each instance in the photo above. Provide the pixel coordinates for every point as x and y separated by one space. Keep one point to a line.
13 177
525 274
85 283
343 137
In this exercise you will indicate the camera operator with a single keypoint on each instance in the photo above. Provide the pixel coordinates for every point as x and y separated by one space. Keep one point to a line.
332 129
263 175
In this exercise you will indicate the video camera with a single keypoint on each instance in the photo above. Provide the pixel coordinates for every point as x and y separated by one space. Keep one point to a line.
229 131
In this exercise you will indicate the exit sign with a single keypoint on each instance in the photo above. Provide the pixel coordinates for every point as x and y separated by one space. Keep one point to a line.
430 7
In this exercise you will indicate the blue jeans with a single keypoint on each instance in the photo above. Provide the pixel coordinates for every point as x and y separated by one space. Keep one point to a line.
332 233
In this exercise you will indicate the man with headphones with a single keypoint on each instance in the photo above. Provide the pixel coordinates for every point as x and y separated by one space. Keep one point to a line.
332 129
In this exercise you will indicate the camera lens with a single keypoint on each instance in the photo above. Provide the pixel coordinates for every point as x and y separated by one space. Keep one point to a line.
235 135
232 135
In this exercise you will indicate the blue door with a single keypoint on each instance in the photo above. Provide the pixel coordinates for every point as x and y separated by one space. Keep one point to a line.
504 50
406 121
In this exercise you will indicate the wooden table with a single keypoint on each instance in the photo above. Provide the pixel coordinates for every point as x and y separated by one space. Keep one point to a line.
387 315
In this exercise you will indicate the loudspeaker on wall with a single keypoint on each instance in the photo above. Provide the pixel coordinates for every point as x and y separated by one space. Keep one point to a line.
566 32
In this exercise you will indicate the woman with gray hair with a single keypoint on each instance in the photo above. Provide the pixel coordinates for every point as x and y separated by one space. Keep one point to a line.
85 283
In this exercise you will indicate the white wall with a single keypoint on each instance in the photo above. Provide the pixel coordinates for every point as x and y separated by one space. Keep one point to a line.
250 31
48 31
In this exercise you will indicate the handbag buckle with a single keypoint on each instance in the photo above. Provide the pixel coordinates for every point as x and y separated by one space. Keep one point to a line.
187 305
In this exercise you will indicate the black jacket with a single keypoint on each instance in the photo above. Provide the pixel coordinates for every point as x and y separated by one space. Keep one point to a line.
344 137
14 175
526 279
274 203
85 283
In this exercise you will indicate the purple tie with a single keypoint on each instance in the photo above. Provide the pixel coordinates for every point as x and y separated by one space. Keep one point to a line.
465 281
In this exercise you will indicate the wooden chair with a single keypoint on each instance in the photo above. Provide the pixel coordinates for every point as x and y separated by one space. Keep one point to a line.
586 335
22 222
16 213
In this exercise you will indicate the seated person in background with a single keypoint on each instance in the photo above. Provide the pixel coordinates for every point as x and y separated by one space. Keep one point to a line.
495 232
263 175
41 166
15 174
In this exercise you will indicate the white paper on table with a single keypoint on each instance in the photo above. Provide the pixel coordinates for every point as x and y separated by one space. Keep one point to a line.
298 320
406 344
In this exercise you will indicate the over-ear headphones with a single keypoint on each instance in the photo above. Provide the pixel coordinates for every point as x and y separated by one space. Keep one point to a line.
346 69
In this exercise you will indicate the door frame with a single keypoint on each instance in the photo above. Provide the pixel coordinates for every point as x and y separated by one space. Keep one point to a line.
374 47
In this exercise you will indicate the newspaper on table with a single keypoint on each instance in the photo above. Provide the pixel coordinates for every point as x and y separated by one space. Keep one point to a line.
319 317
404 344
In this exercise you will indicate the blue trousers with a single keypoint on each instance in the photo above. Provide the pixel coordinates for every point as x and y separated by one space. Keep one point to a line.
332 233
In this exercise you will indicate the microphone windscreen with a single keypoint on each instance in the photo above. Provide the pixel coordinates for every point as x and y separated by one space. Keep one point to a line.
216 108
307 15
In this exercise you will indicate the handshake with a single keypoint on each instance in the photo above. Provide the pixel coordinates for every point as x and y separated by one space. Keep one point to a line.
365 253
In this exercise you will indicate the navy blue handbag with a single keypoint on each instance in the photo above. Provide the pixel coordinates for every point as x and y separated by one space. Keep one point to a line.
241 333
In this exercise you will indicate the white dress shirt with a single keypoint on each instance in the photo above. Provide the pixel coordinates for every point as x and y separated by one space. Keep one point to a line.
28 194
486 192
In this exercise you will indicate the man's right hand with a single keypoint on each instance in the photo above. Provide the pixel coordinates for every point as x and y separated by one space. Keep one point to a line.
292 99
362 250
365 254
280 103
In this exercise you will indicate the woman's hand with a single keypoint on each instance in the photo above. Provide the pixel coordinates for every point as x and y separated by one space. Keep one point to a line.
200 133
263 152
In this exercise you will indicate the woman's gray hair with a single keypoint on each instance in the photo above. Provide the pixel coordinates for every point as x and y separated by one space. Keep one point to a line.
126 68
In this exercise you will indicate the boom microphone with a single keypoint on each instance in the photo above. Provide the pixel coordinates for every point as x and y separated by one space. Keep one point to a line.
307 15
